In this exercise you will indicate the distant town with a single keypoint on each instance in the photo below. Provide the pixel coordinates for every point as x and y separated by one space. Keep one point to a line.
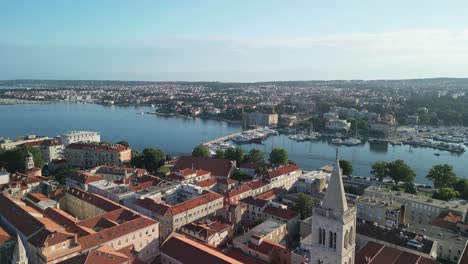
420 112
74 198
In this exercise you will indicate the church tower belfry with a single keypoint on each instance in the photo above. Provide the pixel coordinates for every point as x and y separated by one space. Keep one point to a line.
333 225
19 253
28 162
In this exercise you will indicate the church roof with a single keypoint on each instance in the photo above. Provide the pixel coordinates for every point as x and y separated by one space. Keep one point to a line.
335 197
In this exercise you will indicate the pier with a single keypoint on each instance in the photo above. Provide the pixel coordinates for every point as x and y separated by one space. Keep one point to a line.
228 137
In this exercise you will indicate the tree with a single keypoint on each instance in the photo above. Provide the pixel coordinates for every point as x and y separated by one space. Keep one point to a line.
255 155
380 170
409 187
236 154
13 159
61 174
461 186
399 171
239 175
201 151
278 156
442 176
446 194
346 166
124 143
219 154
105 142
303 205
151 159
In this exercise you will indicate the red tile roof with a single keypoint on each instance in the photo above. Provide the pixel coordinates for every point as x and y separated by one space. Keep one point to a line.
237 191
267 247
102 255
257 202
271 194
193 252
46 142
85 177
375 253
256 184
17 213
281 171
447 220
240 256
94 199
162 209
217 167
4 236
207 183
279 212
48 238
98 147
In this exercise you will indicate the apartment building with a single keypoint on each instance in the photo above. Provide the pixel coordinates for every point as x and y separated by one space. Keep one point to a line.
378 210
6 143
55 235
259 119
80 136
419 209
50 149
283 176
173 215
88 155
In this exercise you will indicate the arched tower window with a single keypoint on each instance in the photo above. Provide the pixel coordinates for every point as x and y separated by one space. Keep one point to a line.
346 239
351 239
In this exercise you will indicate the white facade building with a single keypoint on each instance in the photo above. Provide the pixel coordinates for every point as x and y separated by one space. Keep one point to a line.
79 136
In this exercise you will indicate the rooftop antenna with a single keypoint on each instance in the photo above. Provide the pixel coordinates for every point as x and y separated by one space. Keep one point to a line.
336 153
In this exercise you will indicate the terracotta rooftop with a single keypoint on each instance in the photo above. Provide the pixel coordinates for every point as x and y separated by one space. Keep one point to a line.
240 256
37 197
85 177
447 219
375 253
271 194
94 199
256 184
15 211
207 183
238 191
47 237
98 147
161 208
282 170
4 236
279 212
217 167
193 252
257 202
267 247
102 255
46 142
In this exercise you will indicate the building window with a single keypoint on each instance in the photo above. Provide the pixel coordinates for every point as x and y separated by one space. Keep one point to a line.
334 240
330 239
320 236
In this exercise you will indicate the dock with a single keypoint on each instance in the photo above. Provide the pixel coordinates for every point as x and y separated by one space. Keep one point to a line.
228 137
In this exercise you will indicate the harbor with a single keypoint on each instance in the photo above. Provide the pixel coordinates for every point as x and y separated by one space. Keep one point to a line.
142 131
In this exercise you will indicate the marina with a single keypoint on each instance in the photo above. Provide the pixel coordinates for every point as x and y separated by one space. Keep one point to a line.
178 136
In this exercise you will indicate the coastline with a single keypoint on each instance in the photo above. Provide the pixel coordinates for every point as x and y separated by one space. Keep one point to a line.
234 122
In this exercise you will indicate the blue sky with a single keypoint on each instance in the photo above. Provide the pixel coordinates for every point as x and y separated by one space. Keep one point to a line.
227 40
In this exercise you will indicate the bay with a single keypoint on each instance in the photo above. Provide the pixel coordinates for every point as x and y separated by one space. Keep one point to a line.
178 136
